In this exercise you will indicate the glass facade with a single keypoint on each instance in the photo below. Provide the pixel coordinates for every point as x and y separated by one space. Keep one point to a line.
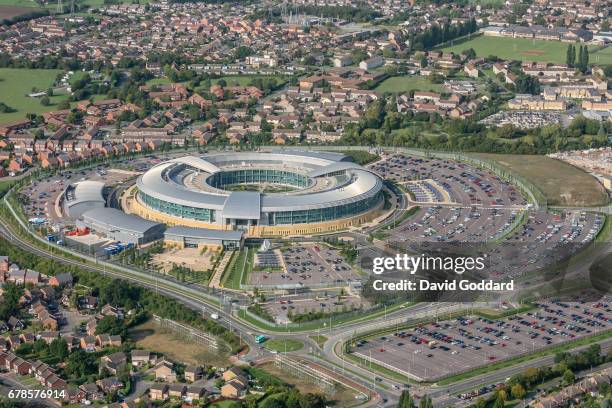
251 176
323 214
177 210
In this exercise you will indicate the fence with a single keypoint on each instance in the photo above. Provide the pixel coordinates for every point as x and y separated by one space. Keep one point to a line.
305 372
340 318
188 332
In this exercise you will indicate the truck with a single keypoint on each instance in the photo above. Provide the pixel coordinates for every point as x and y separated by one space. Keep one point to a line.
260 338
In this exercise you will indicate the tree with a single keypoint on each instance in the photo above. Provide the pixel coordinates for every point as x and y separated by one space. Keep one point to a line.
9 303
59 349
584 61
426 402
405 400
570 58
517 391
568 377
80 364
469 53
45 101
111 325
65 104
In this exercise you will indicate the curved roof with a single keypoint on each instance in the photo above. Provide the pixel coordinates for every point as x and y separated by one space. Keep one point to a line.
111 218
334 167
197 163
364 185
360 183
85 191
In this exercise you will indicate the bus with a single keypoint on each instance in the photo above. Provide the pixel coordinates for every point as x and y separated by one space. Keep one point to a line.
260 339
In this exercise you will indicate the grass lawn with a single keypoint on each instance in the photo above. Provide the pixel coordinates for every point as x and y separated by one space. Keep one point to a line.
282 345
15 84
159 81
319 339
231 80
151 336
523 49
408 83
603 56
223 404
561 183
20 3
100 3
341 396
238 269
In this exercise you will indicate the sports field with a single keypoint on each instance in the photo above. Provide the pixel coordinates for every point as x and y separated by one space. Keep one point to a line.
19 3
523 49
15 84
601 57
408 83
561 183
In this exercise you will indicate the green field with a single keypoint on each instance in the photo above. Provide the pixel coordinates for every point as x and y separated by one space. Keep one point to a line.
282 345
602 57
15 84
19 3
238 269
523 49
561 183
231 80
407 84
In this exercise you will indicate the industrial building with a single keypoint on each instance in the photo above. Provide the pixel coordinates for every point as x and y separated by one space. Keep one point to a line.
263 194
83 196
116 225
189 237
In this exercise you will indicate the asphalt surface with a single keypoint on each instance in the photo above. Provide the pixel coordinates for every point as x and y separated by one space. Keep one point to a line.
386 390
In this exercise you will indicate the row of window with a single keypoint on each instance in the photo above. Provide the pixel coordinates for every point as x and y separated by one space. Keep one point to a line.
177 210
247 176
277 218
323 214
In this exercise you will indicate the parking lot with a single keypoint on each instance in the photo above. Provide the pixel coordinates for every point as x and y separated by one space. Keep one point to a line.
308 265
442 224
328 301
437 350
462 204
464 184
543 239
42 195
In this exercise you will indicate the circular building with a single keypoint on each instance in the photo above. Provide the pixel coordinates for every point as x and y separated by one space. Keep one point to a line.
263 194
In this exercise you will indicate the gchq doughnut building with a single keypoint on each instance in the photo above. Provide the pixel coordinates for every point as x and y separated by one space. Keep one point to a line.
259 193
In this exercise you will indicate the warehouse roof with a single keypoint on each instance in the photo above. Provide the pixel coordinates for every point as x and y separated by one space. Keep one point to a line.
112 218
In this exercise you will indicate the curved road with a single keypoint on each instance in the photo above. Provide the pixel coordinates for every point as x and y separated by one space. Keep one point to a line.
386 393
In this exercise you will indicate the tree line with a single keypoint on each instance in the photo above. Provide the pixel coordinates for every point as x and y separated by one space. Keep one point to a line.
581 61
437 34
121 293
382 125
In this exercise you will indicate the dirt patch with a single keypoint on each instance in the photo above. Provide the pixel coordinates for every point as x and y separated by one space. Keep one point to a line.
191 258
153 337
561 183
532 53
8 12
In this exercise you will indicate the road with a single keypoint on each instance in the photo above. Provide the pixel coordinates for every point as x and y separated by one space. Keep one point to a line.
386 392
